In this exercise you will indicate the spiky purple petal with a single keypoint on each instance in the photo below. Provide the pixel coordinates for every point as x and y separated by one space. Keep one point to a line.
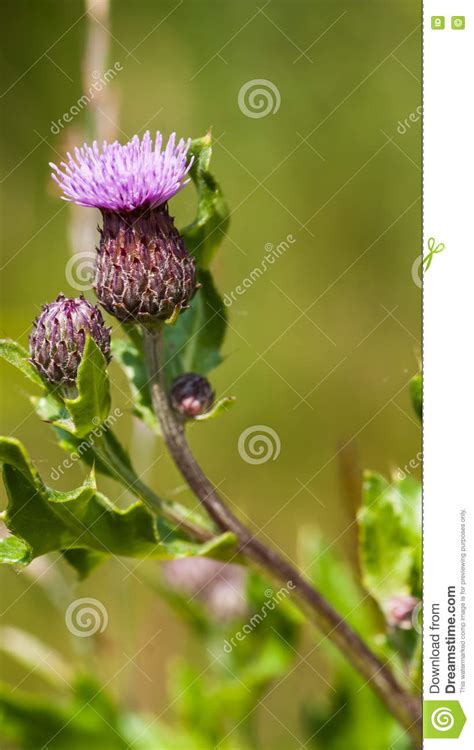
124 177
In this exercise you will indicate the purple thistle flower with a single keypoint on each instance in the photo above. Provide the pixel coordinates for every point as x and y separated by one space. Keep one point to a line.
124 178
59 335
143 271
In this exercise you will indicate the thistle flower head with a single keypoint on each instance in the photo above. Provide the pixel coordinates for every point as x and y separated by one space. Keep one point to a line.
59 335
143 271
123 178
191 395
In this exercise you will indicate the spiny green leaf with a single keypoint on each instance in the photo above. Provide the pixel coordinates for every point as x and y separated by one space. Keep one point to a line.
79 415
92 405
207 231
17 356
84 523
194 343
48 520
390 533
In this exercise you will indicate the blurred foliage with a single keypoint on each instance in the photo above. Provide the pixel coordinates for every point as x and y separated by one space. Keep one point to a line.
390 525
214 703
346 719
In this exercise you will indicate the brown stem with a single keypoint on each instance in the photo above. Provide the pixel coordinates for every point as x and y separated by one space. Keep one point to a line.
401 704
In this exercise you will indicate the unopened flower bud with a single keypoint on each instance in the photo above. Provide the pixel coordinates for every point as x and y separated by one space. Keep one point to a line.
399 611
144 273
191 395
59 335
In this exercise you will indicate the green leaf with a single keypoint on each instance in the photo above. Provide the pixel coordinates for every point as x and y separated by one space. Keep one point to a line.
84 561
207 231
79 415
49 407
390 537
360 713
221 547
86 717
416 393
130 359
17 356
79 448
220 407
82 714
92 405
48 520
84 523
14 551
193 344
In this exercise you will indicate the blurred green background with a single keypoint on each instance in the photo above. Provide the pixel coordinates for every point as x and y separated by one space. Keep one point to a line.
320 348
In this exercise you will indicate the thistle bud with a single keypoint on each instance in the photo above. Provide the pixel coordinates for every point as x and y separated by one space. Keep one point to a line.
191 395
59 335
144 273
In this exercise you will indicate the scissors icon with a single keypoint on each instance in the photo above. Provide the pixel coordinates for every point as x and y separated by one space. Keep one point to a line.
434 249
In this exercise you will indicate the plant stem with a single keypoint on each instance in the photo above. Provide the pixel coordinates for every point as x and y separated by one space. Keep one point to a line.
124 473
400 703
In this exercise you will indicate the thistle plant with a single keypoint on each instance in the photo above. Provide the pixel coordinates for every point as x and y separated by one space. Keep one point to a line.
156 282
143 272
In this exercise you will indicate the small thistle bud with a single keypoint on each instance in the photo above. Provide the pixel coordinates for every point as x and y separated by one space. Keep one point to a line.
58 337
191 395
144 273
